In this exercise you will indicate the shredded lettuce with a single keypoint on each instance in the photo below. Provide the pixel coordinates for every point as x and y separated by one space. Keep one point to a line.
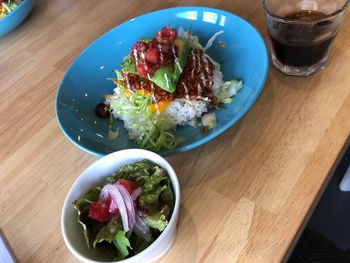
226 100
229 89
8 6
216 64
192 41
212 39
148 129
209 120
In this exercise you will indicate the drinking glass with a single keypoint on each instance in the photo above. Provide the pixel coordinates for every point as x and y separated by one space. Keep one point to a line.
302 32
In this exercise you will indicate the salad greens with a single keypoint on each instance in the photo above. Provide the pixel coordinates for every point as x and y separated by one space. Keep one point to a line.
122 243
7 6
82 205
148 187
229 89
158 220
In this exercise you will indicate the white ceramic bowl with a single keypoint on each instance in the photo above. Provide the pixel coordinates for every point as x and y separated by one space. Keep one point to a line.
92 176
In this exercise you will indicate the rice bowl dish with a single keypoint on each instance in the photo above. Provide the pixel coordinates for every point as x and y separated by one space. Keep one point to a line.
165 82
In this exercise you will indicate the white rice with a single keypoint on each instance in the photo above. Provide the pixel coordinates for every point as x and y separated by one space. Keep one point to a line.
185 112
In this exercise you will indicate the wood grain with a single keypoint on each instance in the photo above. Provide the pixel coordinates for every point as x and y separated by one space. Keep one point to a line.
245 195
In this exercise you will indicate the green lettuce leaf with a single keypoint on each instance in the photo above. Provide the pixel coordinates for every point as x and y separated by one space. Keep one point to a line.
153 186
165 77
82 205
158 220
129 65
167 196
122 243
119 74
149 199
133 171
108 232
139 243
226 100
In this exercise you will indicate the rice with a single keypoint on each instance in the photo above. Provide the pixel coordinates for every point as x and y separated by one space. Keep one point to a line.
185 112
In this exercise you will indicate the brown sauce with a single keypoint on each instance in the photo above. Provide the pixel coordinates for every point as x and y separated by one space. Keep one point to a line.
196 79
135 82
194 83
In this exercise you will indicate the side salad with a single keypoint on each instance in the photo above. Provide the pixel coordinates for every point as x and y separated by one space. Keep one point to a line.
7 6
128 211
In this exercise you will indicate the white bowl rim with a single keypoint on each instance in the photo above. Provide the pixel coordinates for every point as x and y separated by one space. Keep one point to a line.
142 154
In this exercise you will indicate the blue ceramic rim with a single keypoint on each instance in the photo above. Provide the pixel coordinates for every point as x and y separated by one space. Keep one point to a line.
13 12
204 139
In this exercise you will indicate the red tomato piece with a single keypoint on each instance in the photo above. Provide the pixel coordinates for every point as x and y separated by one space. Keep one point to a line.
166 34
152 55
99 211
141 69
130 186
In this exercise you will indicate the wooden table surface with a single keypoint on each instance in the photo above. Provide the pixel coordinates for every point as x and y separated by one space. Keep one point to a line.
245 195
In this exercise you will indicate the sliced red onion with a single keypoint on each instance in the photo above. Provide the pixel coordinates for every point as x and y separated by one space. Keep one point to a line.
113 208
121 200
118 199
129 203
141 229
104 192
136 193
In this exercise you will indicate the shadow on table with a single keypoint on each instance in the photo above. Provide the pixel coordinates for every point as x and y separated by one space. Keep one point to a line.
316 248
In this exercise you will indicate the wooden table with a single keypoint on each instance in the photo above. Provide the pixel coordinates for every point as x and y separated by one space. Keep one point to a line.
245 195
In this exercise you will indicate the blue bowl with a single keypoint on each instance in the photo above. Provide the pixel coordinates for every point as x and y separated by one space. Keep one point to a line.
16 17
244 57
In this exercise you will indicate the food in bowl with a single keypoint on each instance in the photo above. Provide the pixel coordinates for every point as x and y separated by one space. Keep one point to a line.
7 6
165 82
127 213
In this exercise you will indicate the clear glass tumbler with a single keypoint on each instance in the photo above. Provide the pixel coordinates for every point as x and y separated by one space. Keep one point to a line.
302 32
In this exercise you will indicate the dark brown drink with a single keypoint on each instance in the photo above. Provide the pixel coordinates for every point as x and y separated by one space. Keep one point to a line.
302 53
302 33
